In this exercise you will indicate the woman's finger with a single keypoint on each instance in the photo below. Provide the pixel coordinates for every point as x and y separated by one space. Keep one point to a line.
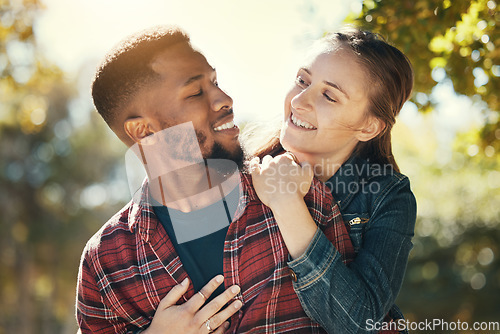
293 157
209 310
253 165
225 314
266 160
199 298
174 294
222 328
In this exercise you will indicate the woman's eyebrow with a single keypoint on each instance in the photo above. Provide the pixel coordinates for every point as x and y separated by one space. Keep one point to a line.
306 70
331 84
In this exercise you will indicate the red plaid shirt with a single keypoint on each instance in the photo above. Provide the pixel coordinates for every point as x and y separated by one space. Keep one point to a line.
130 264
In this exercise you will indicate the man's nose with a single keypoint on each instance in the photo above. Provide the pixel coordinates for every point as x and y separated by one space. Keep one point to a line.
220 100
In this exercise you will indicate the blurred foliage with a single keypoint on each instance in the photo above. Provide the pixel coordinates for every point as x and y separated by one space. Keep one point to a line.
454 268
51 188
61 173
455 40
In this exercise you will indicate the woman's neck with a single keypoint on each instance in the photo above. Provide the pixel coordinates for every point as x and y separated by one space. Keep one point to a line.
324 166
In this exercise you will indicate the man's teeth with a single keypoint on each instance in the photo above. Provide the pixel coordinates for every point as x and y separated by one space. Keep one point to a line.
302 124
225 126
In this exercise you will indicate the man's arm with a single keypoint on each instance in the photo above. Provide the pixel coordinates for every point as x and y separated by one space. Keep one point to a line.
92 314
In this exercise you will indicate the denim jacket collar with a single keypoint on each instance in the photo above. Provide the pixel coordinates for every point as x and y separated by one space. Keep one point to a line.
345 182
344 176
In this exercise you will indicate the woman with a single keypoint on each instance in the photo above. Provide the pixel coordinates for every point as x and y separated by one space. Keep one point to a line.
337 125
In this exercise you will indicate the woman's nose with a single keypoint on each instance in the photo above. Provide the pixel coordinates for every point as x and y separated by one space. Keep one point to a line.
302 101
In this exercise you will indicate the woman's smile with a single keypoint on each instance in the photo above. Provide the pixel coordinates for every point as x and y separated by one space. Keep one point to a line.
301 124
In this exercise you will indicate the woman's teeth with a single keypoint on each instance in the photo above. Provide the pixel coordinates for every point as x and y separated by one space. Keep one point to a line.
225 126
302 124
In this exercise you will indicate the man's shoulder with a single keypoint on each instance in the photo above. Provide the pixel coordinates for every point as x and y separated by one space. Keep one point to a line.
114 234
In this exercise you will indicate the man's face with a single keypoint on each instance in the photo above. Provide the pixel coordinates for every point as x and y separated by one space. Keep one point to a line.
188 91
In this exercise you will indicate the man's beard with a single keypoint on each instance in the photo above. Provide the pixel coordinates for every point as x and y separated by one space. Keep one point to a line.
218 151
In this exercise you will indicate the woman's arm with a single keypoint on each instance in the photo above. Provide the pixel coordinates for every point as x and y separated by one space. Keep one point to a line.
351 297
342 298
281 184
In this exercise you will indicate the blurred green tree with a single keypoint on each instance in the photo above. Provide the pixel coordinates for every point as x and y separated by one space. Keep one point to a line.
445 40
454 269
52 190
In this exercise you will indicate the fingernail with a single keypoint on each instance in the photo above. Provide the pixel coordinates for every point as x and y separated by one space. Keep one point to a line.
185 282
237 304
235 289
219 278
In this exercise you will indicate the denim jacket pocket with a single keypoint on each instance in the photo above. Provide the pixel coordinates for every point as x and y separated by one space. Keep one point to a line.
356 223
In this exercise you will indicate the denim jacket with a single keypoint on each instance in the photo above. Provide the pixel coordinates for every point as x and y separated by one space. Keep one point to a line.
381 211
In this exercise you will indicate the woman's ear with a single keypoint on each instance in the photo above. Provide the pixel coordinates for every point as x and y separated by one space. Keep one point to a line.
372 128
138 128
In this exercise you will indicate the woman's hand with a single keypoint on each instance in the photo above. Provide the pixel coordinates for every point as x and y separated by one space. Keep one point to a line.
191 317
280 181
281 184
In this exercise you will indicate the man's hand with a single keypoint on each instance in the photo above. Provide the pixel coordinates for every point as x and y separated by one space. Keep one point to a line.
188 317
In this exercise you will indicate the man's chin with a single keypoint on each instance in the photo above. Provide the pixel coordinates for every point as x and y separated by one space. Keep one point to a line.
235 154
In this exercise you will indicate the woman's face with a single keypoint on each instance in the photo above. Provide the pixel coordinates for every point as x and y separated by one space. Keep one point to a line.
325 111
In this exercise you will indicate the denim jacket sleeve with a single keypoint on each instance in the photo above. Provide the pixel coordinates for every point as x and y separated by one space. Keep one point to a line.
345 299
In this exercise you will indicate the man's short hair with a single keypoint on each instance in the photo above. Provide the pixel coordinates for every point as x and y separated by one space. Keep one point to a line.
126 69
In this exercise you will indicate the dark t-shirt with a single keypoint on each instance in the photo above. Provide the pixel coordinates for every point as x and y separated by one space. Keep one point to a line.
201 257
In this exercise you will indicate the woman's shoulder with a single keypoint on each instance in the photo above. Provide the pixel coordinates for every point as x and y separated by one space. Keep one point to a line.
382 182
382 173
386 190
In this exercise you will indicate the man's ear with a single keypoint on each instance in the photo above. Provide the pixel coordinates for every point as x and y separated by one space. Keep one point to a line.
371 129
138 128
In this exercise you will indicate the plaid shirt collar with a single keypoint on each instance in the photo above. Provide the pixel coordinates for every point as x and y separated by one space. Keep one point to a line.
140 214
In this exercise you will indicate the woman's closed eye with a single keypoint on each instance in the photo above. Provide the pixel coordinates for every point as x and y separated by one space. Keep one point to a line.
328 97
301 82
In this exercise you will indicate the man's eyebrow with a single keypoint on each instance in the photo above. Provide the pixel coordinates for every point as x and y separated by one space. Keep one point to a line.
331 84
196 78
193 79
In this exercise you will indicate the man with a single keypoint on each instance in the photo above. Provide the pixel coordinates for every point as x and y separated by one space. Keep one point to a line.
136 268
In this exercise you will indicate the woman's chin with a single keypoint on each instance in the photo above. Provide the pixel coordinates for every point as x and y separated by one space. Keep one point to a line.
292 146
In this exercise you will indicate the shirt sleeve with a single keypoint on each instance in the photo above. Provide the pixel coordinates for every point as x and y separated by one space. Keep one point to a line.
345 299
92 315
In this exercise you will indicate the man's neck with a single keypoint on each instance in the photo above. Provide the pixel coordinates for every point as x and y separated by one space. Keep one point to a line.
188 189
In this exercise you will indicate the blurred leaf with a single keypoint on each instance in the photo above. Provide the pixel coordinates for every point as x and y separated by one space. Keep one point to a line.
458 36
47 161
